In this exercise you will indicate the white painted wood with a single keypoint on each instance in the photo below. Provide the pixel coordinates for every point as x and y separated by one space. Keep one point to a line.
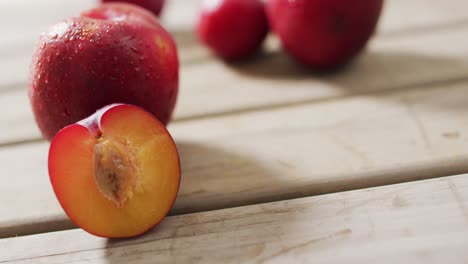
275 154
420 222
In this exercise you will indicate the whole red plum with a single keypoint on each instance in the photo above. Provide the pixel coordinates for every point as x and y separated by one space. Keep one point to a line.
154 6
324 33
115 53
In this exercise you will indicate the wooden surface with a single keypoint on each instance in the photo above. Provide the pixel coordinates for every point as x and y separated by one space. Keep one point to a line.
269 130
421 222
279 153
390 64
395 60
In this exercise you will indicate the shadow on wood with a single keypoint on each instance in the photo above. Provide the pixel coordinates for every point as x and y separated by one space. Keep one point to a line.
208 170
377 66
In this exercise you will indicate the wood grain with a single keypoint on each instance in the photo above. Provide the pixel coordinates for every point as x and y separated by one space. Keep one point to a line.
269 130
275 154
213 88
22 21
420 222
398 60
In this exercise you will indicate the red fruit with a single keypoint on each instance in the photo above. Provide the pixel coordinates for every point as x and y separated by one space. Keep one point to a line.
116 173
116 53
154 6
324 33
120 12
233 29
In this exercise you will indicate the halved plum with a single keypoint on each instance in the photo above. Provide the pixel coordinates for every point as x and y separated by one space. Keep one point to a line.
116 173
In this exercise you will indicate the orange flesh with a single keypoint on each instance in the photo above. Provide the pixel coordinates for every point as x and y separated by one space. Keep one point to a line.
122 183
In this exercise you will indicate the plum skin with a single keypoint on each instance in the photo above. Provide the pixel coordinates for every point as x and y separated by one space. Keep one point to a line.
83 64
324 34
233 29
154 6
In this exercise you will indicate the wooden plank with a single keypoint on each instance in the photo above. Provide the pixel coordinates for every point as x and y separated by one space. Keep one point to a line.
419 222
275 83
264 156
399 15
22 20
20 32
17 123
21 23
213 88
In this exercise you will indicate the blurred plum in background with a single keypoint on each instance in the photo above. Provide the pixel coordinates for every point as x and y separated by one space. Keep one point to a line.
233 29
324 33
154 6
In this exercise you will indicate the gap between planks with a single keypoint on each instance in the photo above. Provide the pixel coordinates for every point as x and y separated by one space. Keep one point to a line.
250 110
181 15
419 222
385 66
204 56
271 109
279 154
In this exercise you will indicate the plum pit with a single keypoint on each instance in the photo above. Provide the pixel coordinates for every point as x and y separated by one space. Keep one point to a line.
115 171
